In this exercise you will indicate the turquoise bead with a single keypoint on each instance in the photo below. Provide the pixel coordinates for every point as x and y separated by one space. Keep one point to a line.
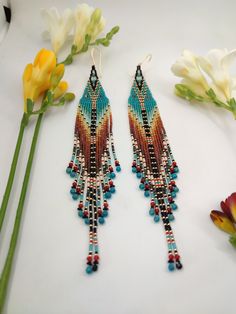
173 176
112 189
146 193
151 211
73 174
72 190
176 189
171 217
176 169
173 206
118 169
68 170
171 266
80 213
139 175
86 221
112 175
108 195
105 213
156 218
173 194
101 220
75 196
134 169
141 186
89 269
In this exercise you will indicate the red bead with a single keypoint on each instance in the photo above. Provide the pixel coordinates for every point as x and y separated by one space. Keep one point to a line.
156 210
71 164
177 257
96 257
174 164
152 203
86 213
169 210
74 184
142 180
172 170
134 163
138 168
78 190
170 199
146 186
117 163
89 258
99 212
75 168
111 183
106 188
81 205
171 188
172 182
111 169
171 257
105 204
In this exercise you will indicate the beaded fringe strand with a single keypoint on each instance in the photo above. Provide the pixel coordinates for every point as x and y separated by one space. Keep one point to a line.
91 162
153 161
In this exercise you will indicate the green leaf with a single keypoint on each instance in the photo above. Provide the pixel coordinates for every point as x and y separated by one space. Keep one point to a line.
73 49
30 105
49 97
232 240
61 102
68 60
87 40
211 94
115 29
185 92
232 104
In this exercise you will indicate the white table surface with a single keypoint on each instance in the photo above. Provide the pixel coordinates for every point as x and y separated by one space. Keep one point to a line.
48 275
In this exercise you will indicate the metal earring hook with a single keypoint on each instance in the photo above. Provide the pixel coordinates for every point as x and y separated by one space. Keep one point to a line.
100 59
147 59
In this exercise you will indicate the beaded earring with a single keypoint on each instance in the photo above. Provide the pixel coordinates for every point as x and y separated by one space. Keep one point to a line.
153 162
91 163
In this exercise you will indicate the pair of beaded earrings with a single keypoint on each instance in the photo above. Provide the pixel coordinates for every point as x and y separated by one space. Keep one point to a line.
94 160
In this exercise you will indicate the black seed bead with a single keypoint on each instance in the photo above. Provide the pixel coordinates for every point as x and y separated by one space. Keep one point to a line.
178 265
95 267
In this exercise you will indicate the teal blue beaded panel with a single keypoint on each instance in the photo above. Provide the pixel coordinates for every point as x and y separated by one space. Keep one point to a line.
149 102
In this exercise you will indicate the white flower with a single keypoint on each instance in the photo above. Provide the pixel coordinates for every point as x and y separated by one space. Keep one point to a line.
187 67
216 65
203 73
58 26
87 21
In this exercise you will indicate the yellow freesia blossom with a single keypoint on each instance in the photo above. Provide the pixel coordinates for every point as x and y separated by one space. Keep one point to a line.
60 89
37 76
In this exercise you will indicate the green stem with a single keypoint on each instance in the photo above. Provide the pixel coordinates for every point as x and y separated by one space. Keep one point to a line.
10 256
12 171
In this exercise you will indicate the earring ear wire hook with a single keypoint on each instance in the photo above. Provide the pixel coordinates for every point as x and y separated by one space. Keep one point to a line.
100 59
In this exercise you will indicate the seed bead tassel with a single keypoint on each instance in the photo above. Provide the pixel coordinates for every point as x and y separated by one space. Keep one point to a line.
91 164
153 161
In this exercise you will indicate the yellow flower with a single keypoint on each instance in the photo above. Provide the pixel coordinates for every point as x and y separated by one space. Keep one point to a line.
37 76
222 221
60 89
57 75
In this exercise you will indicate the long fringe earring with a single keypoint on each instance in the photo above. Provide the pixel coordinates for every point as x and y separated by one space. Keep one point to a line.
153 161
92 160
